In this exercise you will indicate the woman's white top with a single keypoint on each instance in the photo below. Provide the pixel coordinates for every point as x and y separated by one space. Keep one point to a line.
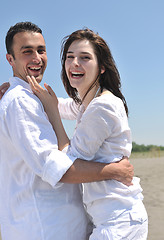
103 135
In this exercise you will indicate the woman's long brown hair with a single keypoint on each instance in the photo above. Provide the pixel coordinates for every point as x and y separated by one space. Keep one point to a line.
109 80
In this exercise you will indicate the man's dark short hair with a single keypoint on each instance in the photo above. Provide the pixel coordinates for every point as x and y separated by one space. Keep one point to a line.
17 28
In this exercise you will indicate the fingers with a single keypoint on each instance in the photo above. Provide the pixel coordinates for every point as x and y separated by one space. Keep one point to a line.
36 88
3 88
49 89
47 96
5 85
1 94
2 91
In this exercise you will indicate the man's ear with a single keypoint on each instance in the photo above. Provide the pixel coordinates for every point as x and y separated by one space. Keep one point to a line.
10 59
102 69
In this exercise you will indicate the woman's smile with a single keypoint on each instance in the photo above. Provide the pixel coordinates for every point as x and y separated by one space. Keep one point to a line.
81 65
76 75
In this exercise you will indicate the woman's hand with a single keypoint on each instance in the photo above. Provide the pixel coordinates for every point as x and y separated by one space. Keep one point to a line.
3 88
46 96
50 103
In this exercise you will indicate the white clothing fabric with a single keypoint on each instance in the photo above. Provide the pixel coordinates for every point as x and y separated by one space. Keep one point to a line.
68 108
126 227
32 204
103 135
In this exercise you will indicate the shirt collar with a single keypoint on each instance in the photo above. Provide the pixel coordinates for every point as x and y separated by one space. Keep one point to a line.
17 81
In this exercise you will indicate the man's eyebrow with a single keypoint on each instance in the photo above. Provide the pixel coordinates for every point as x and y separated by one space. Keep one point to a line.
28 46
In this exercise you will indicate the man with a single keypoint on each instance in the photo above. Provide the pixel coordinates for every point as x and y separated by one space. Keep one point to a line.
34 204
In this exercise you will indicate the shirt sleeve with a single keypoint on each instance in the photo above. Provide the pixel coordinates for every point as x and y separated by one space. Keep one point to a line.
68 108
98 123
35 140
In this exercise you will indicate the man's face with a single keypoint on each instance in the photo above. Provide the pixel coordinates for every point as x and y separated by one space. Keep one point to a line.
30 57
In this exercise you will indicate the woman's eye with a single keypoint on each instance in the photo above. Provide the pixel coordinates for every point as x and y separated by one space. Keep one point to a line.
70 56
85 57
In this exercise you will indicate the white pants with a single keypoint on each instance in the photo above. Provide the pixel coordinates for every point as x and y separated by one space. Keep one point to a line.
128 226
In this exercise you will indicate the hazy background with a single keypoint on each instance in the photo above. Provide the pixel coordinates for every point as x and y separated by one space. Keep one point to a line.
134 31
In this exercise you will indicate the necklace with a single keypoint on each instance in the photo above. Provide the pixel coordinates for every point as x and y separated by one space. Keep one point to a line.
96 94
82 108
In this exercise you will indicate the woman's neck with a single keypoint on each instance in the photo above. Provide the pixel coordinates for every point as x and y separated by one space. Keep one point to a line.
94 92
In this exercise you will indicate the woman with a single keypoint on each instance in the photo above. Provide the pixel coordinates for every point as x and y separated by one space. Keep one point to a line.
102 133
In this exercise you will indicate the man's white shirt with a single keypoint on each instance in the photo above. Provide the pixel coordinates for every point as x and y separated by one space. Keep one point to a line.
33 205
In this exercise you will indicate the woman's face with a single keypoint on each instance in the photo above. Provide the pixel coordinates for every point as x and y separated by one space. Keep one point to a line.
81 65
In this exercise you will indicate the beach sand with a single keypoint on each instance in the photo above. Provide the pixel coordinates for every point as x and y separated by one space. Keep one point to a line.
151 173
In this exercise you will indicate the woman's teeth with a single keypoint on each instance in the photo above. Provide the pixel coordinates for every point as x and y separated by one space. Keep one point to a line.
77 74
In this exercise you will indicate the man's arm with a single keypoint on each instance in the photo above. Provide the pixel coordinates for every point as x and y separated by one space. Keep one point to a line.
85 171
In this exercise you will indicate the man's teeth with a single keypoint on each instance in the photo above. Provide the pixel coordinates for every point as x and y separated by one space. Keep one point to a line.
35 68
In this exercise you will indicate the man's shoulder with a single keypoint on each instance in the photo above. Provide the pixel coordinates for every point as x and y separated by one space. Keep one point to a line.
18 93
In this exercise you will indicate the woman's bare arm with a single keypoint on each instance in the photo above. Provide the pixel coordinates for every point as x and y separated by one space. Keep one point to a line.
50 104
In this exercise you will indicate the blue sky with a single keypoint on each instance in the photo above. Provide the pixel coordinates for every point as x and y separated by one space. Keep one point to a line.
134 31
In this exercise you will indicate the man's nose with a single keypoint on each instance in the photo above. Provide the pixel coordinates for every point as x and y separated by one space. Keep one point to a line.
36 57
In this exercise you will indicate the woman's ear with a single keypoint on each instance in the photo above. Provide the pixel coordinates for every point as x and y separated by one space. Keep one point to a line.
102 69
10 59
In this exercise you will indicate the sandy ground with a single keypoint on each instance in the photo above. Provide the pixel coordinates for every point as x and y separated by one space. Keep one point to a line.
151 173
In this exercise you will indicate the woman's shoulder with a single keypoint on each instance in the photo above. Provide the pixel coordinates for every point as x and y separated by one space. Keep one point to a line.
107 104
107 99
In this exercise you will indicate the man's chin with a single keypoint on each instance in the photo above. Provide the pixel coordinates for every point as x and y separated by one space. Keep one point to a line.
38 78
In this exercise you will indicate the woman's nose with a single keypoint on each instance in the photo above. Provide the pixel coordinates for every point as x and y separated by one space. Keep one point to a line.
76 61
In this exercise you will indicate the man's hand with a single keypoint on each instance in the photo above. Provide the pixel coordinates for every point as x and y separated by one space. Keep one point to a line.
86 171
123 171
3 88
